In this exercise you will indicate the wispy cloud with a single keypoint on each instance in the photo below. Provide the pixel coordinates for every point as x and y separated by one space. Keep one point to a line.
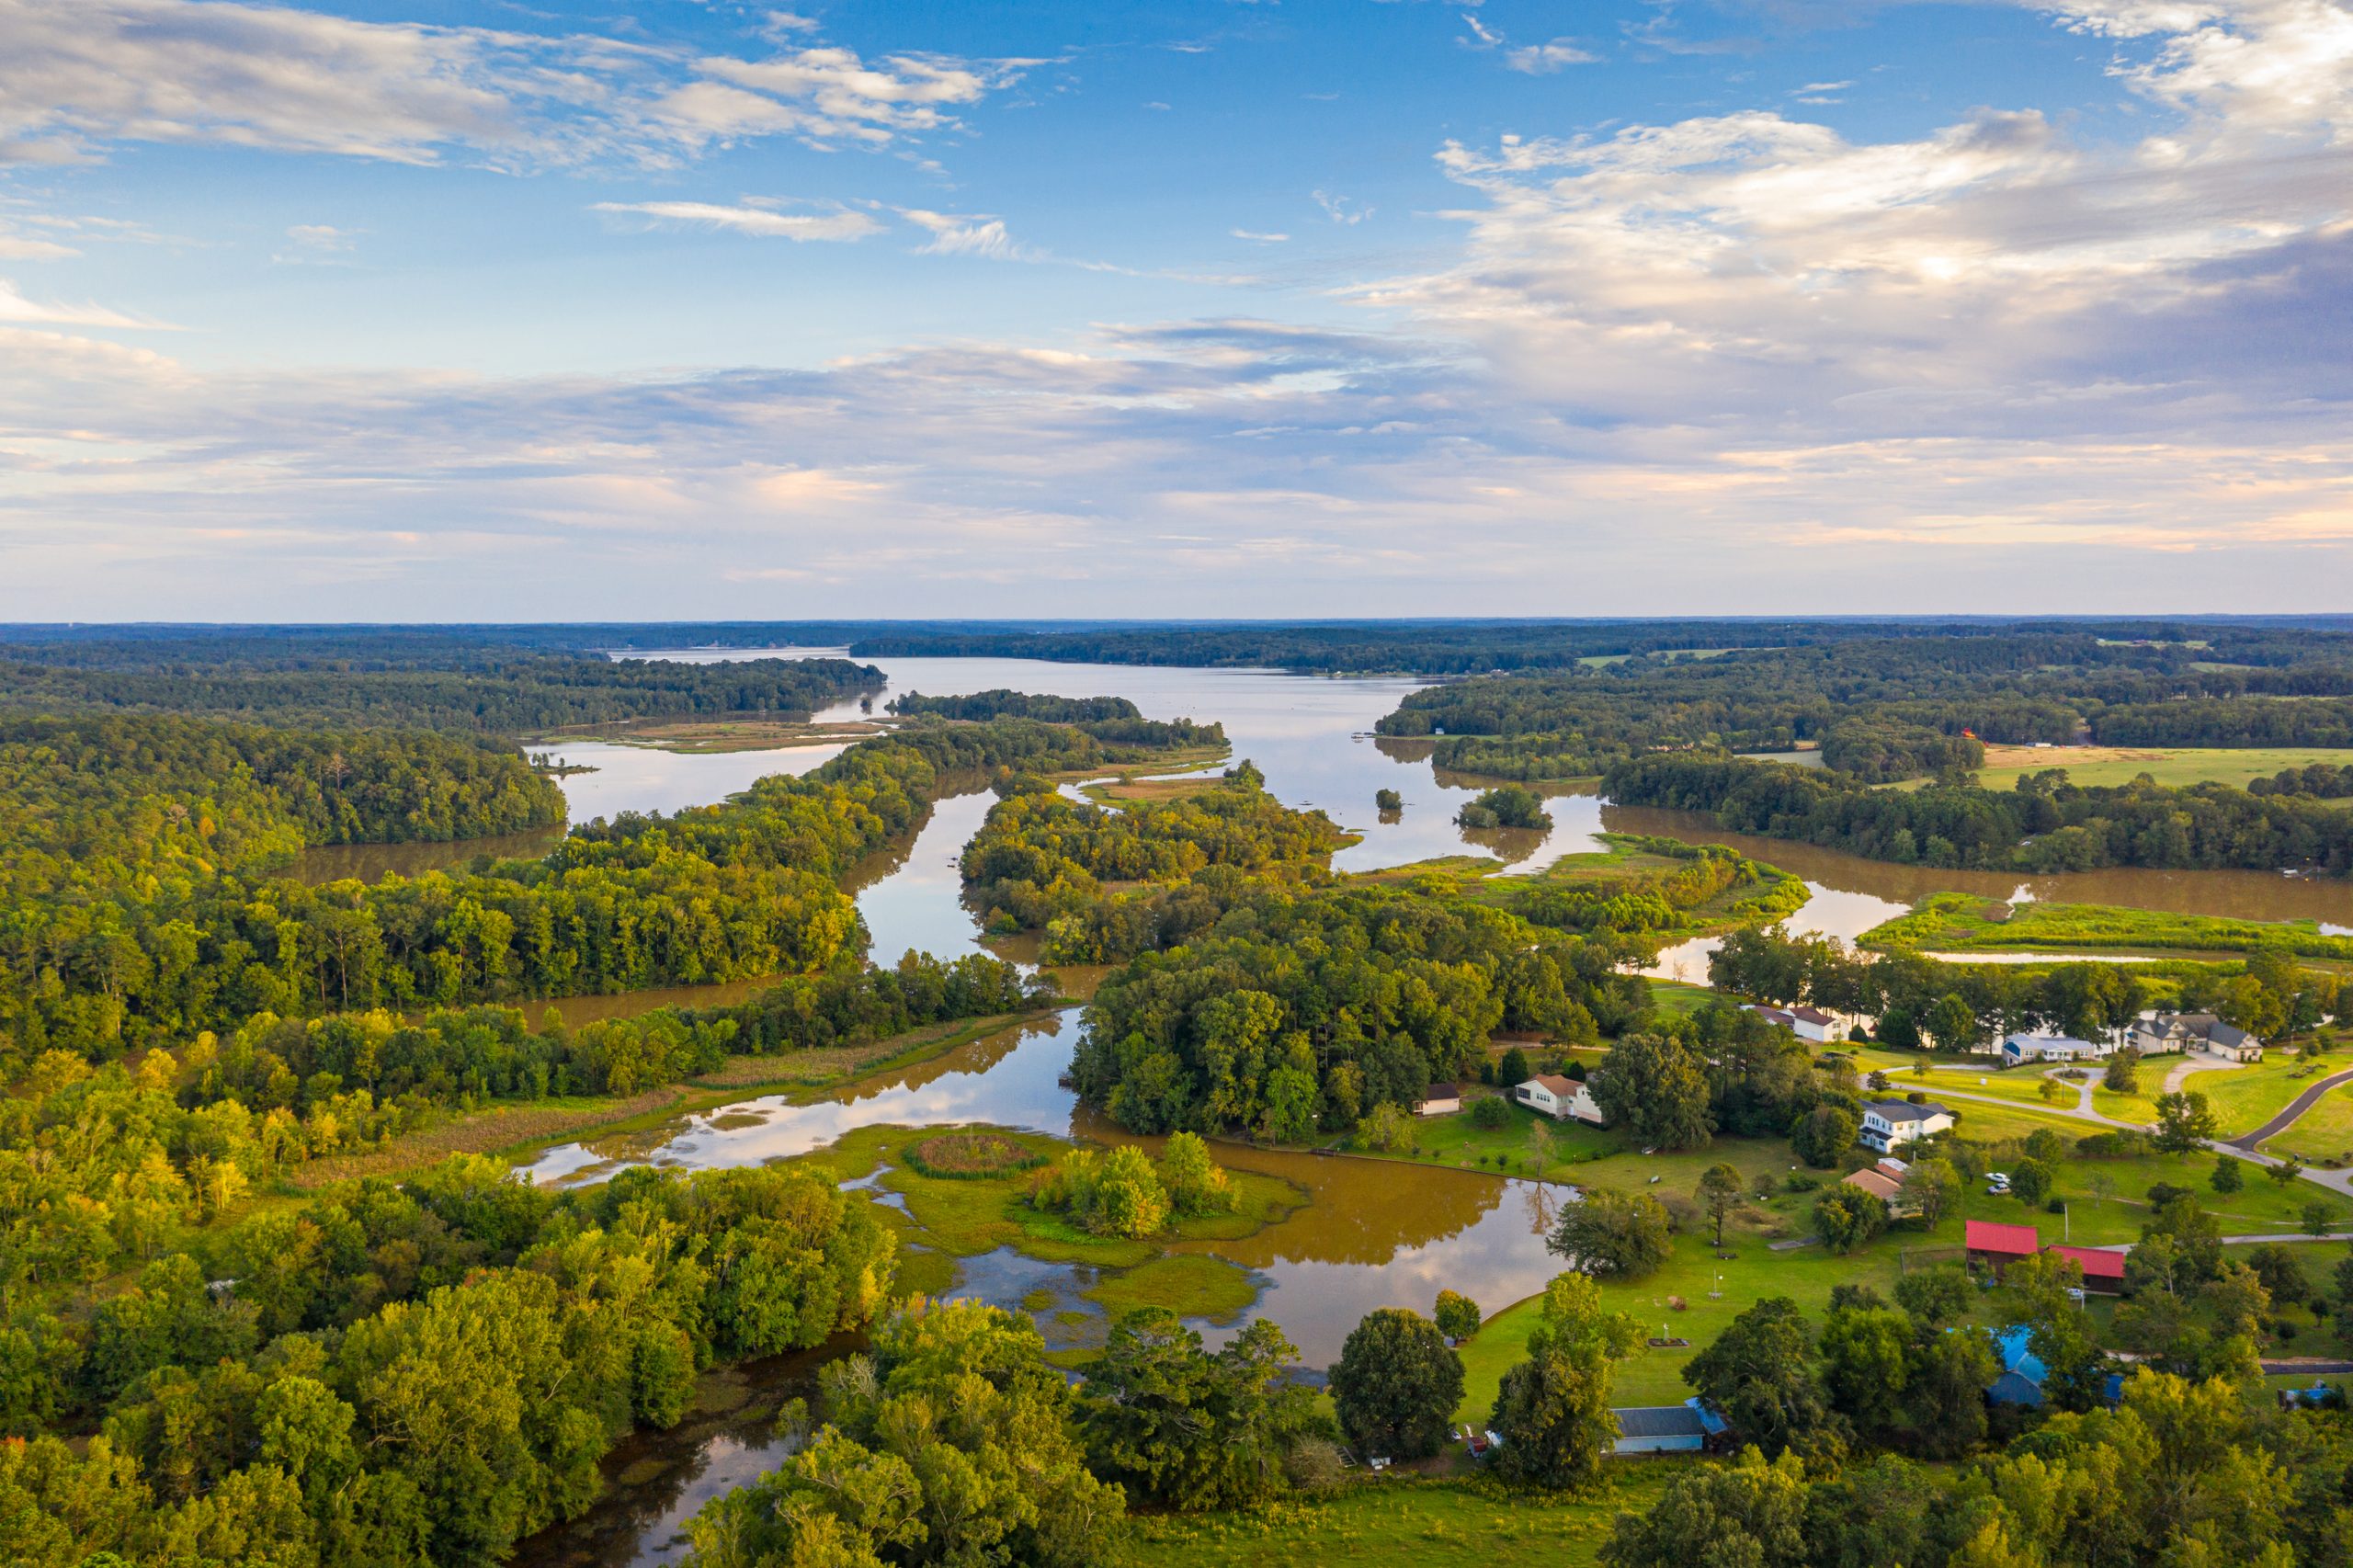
78 78
1340 210
15 307
1259 238
769 217
1543 59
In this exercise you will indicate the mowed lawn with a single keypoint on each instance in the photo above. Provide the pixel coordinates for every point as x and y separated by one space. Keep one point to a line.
2167 765
2322 1135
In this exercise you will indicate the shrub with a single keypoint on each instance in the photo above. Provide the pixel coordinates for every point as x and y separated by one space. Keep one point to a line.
1117 1194
1491 1112
970 1156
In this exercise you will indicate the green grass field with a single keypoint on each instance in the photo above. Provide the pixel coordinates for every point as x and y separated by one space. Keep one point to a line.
1430 1524
2322 1135
2167 765
1958 922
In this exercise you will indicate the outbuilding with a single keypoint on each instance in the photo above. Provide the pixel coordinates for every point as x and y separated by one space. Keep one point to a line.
2103 1268
1997 1244
1439 1099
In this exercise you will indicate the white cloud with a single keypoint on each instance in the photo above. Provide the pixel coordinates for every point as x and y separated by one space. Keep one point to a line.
981 236
1340 210
1268 239
78 76
763 216
1543 59
15 307
827 97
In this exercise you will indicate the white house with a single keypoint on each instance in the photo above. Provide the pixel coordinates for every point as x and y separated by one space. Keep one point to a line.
1891 1124
1558 1098
2155 1034
1439 1099
1806 1023
2022 1047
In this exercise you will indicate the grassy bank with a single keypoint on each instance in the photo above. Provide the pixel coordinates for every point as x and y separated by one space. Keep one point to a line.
1955 921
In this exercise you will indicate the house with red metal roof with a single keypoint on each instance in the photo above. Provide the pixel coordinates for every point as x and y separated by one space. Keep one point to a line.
2103 1269
1999 1245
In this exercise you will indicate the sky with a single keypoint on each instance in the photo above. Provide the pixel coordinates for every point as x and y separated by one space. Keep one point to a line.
447 310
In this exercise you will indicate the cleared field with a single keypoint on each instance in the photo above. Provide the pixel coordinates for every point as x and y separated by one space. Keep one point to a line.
2167 765
1962 923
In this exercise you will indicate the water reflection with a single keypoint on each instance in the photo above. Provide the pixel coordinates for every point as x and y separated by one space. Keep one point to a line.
1369 1236
647 778
912 897
1311 735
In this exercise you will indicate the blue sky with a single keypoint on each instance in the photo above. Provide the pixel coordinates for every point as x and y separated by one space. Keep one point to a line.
432 310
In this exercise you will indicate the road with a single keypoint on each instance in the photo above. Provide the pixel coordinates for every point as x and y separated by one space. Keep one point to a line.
2296 1108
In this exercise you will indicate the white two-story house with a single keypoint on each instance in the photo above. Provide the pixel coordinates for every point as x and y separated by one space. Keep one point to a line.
1891 1124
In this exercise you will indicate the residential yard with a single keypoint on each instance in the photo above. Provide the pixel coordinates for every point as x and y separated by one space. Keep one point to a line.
1431 1524
2246 1098
2322 1135
2167 765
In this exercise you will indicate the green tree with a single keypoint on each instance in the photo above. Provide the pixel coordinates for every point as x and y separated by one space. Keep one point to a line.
2227 1177
1456 1316
1821 1136
2318 1218
1553 1410
1937 1297
1952 1023
1186 1428
1847 1217
1759 1375
1192 1180
1720 1194
2031 1179
1930 1186
1612 1234
1750 1515
1656 1088
2123 1075
2184 1119
953 1443
1866 1357
1513 1069
1396 1385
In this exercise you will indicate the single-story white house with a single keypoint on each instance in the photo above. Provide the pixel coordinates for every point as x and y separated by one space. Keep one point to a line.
2021 1048
1891 1124
1439 1099
1806 1023
1665 1428
1563 1099
2156 1034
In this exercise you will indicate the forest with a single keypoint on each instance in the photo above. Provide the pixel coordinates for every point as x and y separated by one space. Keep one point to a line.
2044 824
1883 709
123 956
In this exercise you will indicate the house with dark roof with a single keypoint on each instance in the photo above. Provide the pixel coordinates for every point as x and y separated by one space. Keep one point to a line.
2158 1033
1439 1099
1889 1125
1808 1023
1685 1428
